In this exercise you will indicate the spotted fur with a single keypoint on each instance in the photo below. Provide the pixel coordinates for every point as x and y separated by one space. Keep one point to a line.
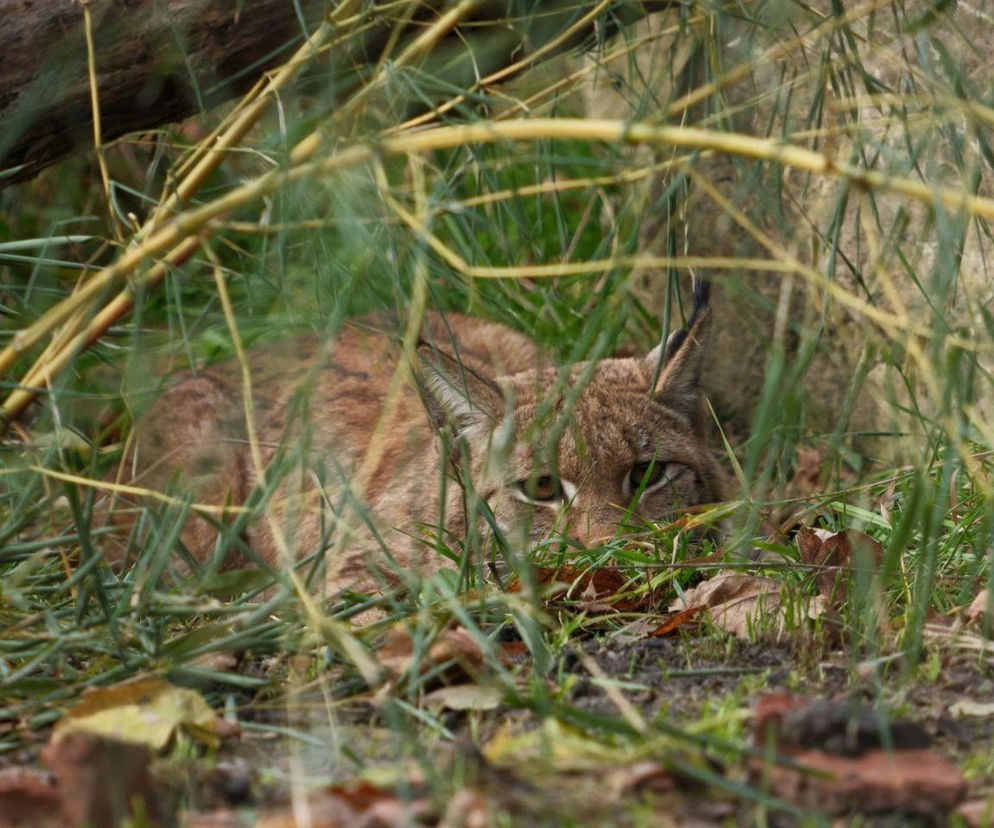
371 492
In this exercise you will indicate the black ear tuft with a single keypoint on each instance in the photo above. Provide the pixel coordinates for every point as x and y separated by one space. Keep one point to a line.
678 369
702 295
674 343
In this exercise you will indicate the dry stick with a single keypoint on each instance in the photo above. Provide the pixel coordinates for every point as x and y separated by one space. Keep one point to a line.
47 366
558 185
587 267
889 321
402 373
134 491
210 157
198 220
564 185
530 104
248 407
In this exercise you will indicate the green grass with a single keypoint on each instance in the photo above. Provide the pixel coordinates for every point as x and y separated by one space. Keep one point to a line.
321 250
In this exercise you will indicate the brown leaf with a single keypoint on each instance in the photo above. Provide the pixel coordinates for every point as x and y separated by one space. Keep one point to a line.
806 479
979 607
836 726
839 763
513 652
28 799
768 711
607 589
740 604
911 781
977 813
101 780
320 811
675 621
836 555
396 653
642 777
457 643
466 809
220 818
355 804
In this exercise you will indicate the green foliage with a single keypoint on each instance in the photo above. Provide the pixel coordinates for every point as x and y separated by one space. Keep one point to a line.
322 249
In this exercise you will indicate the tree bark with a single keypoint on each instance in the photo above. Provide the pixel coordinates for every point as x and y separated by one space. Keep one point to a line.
159 61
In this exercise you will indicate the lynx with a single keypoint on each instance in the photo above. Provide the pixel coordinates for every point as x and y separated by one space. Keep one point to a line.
482 422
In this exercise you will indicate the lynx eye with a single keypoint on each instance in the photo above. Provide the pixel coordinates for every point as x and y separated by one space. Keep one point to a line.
542 489
650 473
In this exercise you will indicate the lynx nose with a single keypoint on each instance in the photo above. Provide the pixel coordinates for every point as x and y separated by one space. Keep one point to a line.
592 532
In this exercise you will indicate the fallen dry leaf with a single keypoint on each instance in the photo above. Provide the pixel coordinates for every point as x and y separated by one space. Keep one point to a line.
553 746
147 712
909 781
28 798
356 805
221 818
836 555
396 653
606 589
675 622
806 479
970 708
466 809
101 780
95 781
977 813
464 697
513 652
979 608
644 777
639 628
847 758
842 727
318 811
741 604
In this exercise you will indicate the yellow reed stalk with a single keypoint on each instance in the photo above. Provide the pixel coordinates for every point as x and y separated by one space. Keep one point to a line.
198 220
209 155
530 103
44 370
507 71
98 144
134 491
248 406
423 44
825 29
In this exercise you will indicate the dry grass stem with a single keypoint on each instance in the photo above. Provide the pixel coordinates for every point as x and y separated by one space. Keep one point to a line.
199 220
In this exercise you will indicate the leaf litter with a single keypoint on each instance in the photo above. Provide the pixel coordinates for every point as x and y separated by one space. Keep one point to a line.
667 668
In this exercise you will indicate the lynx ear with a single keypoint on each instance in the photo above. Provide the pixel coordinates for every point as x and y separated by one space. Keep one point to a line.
677 365
458 395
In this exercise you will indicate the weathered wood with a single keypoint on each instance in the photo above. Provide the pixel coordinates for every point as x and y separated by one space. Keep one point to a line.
159 61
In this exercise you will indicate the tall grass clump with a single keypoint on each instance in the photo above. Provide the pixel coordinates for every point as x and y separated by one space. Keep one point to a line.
826 167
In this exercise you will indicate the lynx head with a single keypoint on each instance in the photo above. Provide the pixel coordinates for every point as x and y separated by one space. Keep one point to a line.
587 450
